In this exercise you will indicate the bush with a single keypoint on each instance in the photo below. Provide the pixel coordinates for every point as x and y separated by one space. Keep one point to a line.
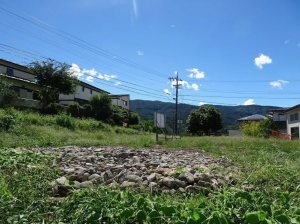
8 118
102 107
54 108
66 121
134 118
73 109
7 95
86 110
263 128
136 127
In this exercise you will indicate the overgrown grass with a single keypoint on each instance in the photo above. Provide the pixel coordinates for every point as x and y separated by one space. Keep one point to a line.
270 166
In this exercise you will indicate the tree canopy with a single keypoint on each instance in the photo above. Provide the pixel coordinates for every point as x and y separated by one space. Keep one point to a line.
101 106
205 119
54 78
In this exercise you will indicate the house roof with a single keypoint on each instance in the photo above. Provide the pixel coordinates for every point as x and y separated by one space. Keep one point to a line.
120 95
292 108
14 65
279 109
92 87
254 117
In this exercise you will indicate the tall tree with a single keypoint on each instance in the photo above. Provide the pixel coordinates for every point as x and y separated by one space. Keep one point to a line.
54 78
205 119
101 106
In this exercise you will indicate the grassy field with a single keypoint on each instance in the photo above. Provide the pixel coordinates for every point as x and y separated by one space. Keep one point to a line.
270 166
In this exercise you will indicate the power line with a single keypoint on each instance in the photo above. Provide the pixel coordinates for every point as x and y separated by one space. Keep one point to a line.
108 55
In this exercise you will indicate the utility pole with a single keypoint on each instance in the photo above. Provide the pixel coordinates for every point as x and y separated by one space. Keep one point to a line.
176 104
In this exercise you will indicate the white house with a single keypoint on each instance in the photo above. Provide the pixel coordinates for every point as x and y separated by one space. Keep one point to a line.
83 93
122 101
293 121
279 118
23 82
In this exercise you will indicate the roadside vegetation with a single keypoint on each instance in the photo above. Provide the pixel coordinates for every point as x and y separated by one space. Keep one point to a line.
267 191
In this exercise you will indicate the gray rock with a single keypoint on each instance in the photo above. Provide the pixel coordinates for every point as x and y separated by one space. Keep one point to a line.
85 177
189 177
133 178
126 184
152 184
180 183
204 177
72 177
204 184
181 190
145 183
94 177
169 182
61 181
86 184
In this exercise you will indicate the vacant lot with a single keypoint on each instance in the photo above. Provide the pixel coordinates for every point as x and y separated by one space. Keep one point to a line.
265 188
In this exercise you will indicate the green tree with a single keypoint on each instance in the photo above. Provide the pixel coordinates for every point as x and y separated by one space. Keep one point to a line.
205 119
7 95
54 78
267 126
101 106
262 128
134 118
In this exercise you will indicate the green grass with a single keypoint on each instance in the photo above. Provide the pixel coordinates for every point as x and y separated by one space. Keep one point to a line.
271 167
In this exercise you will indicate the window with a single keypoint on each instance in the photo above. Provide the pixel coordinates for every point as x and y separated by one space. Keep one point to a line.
10 72
295 132
91 91
124 103
294 117
82 88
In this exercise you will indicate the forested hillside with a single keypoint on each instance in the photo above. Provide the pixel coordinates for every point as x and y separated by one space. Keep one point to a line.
230 114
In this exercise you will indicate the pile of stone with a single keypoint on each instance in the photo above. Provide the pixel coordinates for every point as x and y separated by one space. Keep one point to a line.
169 170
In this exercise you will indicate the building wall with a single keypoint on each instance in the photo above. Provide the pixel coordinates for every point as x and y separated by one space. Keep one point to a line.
279 116
295 123
235 133
82 95
18 73
23 88
122 101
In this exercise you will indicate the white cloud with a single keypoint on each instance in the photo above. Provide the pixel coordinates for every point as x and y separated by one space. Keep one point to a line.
117 83
90 78
167 91
106 77
278 84
140 53
75 71
172 26
261 60
249 102
201 103
195 73
185 84
175 72
91 72
195 87
287 41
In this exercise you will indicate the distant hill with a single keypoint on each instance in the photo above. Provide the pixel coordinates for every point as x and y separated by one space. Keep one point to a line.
230 114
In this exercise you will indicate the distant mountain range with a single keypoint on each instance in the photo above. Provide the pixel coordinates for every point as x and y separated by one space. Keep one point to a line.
230 114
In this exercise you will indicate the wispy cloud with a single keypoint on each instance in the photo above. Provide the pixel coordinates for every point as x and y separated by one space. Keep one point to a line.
75 71
90 78
195 73
135 8
299 44
167 91
90 72
117 83
185 84
201 103
278 84
140 53
287 41
262 60
106 77
249 102
172 26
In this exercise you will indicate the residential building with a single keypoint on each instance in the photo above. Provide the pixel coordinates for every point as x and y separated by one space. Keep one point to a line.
293 121
254 117
122 101
83 93
279 118
23 82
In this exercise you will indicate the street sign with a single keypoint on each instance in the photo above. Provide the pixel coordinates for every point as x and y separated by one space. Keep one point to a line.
159 120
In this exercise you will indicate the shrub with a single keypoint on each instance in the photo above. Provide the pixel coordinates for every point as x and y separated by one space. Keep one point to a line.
54 108
263 128
7 95
277 134
136 127
86 110
134 118
8 118
73 109
102 107
66 121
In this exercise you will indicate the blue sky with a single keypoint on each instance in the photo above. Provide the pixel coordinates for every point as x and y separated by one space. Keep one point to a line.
228 52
